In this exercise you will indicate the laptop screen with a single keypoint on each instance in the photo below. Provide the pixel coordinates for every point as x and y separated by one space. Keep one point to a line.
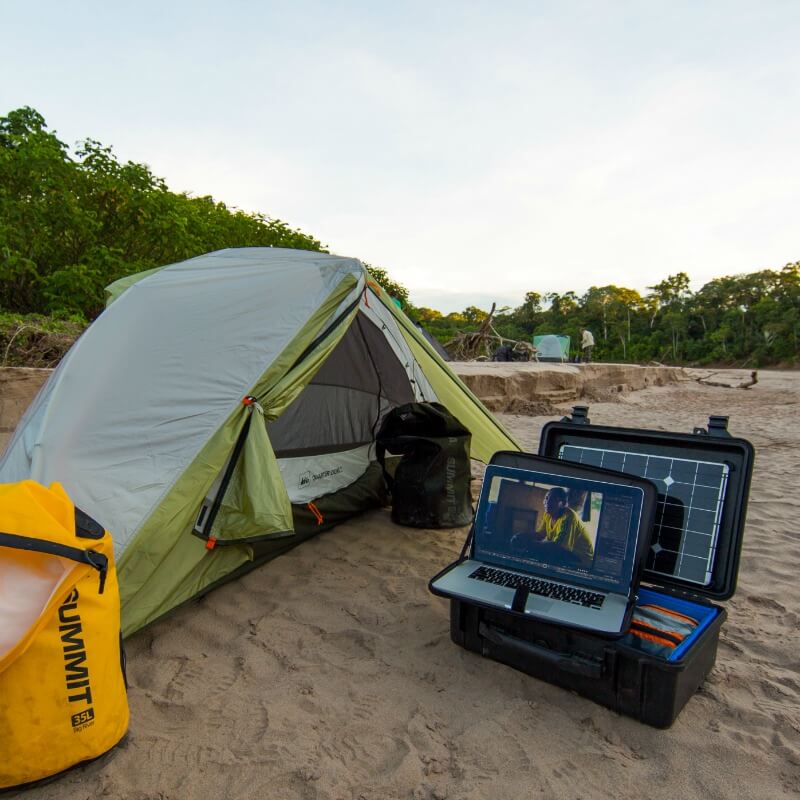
570 529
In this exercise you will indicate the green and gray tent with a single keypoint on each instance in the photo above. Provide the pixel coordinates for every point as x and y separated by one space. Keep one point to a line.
223 409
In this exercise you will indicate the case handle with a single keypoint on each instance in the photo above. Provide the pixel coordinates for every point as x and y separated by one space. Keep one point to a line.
564 661
717 426
579 416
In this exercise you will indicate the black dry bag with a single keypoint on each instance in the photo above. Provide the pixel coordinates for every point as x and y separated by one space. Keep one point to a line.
431 485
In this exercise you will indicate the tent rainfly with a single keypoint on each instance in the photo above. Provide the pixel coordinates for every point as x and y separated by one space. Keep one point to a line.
223 409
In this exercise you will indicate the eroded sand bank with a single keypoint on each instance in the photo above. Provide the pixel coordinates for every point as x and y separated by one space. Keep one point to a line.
536 388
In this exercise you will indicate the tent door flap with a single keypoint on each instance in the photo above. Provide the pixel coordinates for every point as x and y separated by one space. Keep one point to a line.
248 501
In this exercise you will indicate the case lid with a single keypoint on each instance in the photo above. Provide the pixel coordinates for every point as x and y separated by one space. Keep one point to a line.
703 482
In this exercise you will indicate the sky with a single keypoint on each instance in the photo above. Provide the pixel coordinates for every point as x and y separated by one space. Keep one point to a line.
474 150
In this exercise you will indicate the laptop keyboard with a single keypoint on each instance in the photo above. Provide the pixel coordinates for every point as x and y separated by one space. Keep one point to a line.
555 591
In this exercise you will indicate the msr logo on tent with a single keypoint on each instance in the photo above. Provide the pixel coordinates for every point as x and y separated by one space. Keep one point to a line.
76 672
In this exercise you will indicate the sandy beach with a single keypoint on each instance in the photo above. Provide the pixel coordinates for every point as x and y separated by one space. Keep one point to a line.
329 673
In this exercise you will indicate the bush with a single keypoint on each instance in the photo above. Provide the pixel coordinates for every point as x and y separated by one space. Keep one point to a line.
33 340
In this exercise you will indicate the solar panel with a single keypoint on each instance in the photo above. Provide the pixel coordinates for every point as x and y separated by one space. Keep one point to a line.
689 511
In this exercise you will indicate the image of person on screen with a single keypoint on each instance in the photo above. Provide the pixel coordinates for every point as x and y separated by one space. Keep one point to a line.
560 524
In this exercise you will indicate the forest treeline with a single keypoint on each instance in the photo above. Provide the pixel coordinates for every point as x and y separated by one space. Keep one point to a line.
738 320
74 220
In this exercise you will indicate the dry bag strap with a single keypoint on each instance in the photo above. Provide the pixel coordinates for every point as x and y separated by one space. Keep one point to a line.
94 559
86 527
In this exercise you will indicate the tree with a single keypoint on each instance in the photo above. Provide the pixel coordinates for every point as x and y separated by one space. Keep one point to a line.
37 206
474 315
69 225
427 315
392 287
527 315
562 305
670 298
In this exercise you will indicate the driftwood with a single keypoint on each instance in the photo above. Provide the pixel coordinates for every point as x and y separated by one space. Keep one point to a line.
480 345
17 332
30 345
468 346
751 381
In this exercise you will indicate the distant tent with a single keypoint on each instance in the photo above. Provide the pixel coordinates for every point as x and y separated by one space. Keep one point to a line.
223 409
434 343
432 340
551 347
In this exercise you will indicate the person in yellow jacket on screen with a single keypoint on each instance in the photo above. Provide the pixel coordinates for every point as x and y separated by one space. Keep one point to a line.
560 524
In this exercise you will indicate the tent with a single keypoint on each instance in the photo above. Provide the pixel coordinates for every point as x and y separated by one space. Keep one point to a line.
550 347
434 342
223 409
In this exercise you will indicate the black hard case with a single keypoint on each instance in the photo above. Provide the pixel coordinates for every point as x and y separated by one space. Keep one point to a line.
605 670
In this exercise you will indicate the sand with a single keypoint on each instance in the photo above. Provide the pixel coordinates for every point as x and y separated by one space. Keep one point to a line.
329 673
18 386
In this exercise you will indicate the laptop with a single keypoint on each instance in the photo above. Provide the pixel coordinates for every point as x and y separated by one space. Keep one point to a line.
563 543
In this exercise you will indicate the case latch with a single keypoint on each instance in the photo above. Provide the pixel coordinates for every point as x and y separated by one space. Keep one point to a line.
717 426
578 416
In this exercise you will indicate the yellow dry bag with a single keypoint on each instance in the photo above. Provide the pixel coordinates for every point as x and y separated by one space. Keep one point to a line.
62 684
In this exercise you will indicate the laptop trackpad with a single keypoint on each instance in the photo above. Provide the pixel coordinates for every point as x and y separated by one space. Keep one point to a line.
538 604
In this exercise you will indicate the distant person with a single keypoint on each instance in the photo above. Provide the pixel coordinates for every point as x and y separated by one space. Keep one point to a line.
560 524
587 345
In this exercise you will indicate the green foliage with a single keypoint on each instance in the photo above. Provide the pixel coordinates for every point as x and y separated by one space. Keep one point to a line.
35 341
69 225
392 287
474 315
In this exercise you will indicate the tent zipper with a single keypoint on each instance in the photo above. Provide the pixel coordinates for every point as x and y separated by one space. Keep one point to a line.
321 338
204 531
94 559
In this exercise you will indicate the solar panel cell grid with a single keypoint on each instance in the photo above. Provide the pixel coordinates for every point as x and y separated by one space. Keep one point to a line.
690 501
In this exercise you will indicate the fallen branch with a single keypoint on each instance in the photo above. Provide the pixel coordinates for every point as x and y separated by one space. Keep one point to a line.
11 341
746 384
28 344
469 346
